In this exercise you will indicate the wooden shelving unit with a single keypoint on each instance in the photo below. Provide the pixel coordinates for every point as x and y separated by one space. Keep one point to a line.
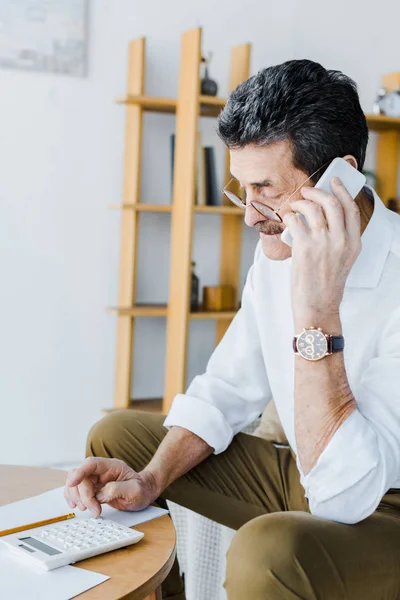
387 154
188 107
383 123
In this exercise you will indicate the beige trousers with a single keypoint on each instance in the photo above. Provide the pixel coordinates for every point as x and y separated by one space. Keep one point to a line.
280 550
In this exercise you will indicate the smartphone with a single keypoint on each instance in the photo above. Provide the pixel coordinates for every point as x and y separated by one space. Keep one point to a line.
352 180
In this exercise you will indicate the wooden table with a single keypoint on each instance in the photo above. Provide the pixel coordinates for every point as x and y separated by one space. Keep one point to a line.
136 573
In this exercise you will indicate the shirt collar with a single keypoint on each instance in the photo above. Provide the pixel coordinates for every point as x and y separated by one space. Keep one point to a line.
376 242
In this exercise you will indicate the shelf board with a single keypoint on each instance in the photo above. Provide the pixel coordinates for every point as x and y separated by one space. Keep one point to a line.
167 208
150 103
210 106
157 208
153 405
213 101
219 315
161 310
140 310
219 210
382 123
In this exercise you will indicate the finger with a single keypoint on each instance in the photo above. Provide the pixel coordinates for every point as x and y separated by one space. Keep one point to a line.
75 498
108 493
88 499
124 491
350 208
313 213
296 226
91 466
67 497
331 206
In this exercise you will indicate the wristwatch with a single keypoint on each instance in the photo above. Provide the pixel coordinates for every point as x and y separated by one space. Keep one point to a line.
313 344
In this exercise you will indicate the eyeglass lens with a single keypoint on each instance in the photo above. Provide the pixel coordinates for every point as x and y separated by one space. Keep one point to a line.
263 209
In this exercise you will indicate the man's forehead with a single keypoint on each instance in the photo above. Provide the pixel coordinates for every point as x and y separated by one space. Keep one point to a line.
259 164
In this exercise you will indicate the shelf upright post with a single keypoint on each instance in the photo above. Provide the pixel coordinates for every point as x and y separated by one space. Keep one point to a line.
129 225
188 108
231 225
387 164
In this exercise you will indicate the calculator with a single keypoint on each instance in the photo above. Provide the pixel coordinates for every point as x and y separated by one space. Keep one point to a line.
57 545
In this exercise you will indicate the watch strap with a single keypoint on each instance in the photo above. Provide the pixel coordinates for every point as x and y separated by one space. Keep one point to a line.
335 343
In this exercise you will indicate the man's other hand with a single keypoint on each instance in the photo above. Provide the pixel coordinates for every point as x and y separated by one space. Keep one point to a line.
109 481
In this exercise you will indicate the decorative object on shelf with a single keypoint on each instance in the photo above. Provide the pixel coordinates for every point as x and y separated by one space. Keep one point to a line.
218 297
388 100
376 107
393 204
44 36
194 290
209 87
390 104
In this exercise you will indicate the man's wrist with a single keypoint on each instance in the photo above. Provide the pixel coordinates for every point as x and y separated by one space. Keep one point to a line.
154 479
330 323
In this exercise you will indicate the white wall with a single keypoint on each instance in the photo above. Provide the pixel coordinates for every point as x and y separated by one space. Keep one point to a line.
61 148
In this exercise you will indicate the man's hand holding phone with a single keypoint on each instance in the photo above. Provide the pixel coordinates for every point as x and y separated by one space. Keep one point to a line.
323 252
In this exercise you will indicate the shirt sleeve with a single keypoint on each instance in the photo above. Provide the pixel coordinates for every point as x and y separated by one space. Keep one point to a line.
234 390
362 460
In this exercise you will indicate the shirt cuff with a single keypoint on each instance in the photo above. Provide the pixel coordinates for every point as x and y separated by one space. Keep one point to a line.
349 456
202 419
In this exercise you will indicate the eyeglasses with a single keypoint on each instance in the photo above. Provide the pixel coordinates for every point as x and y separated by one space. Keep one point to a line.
264 209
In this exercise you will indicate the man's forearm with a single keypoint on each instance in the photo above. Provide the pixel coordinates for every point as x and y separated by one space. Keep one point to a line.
180 451
323 398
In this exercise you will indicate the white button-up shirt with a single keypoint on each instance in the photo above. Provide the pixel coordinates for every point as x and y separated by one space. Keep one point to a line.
254 363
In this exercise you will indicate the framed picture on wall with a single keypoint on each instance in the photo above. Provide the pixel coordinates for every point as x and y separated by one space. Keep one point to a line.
44 35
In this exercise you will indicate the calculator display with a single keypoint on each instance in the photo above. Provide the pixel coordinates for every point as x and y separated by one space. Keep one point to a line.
39 546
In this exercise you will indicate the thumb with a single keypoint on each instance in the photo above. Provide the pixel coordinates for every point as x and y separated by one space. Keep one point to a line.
115 490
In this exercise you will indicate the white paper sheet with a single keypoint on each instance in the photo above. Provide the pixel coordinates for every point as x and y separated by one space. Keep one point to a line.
19 580
52 504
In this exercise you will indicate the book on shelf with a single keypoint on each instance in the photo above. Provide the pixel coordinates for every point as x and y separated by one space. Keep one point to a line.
172 158
201 175
206 191
212 189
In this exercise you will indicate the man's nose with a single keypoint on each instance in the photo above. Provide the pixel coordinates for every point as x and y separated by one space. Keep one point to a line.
252 216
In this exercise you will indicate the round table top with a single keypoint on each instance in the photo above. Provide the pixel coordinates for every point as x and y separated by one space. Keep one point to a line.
135 571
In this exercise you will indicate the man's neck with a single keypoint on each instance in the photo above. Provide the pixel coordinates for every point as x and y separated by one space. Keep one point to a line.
366 207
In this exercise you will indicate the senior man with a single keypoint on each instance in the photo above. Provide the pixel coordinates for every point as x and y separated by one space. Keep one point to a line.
320 519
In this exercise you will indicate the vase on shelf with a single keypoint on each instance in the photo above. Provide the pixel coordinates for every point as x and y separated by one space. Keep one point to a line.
209 87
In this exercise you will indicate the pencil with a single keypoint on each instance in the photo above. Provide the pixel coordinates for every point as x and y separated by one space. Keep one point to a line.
38 524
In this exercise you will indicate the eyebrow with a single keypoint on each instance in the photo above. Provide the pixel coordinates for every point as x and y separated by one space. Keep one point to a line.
264 183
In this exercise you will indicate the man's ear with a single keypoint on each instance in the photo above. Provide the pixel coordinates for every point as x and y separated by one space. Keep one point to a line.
351 160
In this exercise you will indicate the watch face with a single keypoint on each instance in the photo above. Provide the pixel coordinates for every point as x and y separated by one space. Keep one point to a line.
312 344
